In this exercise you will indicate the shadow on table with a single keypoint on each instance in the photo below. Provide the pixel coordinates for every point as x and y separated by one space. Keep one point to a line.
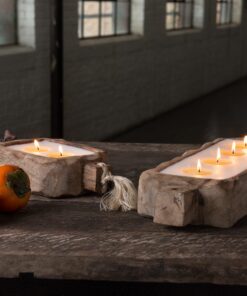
30 286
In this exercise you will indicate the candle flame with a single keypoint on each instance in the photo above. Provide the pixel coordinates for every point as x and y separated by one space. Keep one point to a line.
60 148
36 144
245 141
199 166
218 155
233 147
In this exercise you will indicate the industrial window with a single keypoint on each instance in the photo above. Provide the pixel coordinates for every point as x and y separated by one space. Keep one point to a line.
103 18
8 22
179 14
226 11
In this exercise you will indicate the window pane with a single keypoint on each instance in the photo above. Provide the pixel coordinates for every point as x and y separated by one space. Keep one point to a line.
184 14
170 12
122 17
107 7
228 11
177 16
188 15
103 18
91 27
224 13
218 13
91 8
107 26
7 22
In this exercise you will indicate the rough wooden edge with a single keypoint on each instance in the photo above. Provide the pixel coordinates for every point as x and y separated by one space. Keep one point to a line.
55 177
92 177
99 152
178 200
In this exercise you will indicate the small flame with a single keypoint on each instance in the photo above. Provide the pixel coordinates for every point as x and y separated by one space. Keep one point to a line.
36 144
233 147
218 155
199 166
245 141
60 148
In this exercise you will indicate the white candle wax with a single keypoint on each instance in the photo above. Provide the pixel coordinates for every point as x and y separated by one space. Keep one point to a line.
52 147
237 164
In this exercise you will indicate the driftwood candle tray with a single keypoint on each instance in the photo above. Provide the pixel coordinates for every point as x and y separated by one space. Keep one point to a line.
175 195
52 175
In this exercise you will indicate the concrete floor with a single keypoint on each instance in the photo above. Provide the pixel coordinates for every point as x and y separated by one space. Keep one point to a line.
222 113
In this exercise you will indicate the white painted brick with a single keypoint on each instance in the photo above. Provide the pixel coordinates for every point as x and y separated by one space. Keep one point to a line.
111 87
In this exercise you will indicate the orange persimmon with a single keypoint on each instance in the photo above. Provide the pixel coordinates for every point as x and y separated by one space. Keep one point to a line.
14 188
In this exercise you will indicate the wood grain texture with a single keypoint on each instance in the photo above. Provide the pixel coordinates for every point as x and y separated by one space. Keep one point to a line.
52 177
179 201
72 239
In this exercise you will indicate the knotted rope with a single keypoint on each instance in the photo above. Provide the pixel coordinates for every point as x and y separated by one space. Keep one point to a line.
123 195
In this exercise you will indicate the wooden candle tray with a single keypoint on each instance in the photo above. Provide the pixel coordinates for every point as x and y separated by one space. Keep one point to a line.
53 177
179 201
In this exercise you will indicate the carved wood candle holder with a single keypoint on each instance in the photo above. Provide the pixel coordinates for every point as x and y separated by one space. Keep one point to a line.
52 174
175 194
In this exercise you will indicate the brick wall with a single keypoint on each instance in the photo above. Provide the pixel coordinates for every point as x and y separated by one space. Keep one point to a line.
113 85
24 74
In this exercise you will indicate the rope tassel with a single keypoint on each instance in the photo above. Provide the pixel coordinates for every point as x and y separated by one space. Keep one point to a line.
123 195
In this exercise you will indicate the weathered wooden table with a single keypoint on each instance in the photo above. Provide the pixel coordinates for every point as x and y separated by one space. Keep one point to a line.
72 239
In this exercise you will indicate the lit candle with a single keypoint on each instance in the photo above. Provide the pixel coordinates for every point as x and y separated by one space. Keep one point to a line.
218 160
60 153
243 144
36 148
233 151
197 171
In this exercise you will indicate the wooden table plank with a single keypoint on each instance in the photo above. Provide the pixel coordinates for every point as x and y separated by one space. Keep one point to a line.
72 239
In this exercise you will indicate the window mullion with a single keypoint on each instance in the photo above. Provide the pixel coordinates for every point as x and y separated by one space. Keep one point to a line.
82 18
192 13
174 15
231 12
115 17
183 14
129 18
100 18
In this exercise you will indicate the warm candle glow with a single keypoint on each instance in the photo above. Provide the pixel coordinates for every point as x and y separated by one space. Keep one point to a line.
245 141
60 148
218 161
36 144
233 147
218 155
233 151
60 153
197 171
35 148
199 166
221 160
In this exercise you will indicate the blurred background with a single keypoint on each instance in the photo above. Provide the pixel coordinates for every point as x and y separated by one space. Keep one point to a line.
124 70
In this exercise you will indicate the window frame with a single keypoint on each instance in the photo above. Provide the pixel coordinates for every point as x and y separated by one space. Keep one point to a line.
191 18
229 4
101 15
